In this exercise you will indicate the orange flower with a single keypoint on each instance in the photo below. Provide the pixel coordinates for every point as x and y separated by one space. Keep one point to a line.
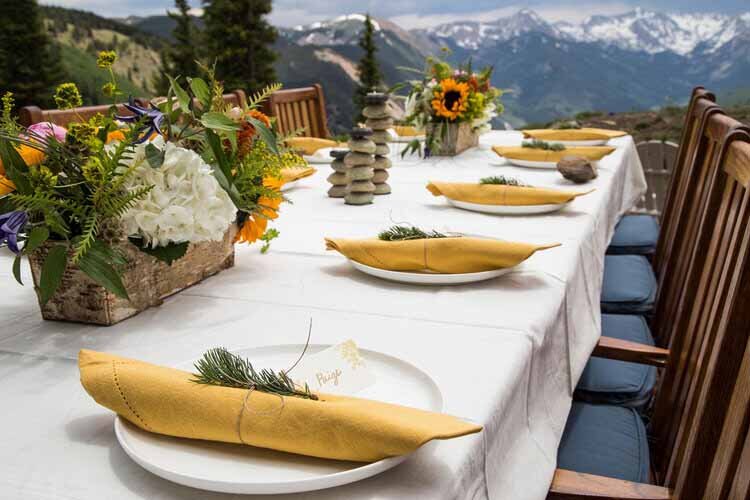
30 156
247 132
451 100
255 225
115 135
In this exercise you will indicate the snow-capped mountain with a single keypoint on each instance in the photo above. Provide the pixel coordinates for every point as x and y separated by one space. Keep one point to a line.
639 30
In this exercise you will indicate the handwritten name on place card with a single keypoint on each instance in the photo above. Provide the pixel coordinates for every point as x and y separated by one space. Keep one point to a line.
339 369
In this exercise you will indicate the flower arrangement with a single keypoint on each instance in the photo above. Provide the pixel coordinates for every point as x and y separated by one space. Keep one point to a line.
447 96
176 172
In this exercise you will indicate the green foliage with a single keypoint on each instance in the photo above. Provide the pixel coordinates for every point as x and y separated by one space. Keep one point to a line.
543 145
223 368
402 233
8 122
501 180
181 57
67 96
101 264
29 61
267 237
52 272
167 253
370 76
239 37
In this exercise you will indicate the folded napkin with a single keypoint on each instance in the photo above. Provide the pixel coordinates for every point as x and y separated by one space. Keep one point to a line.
165 401
593 153
296 173
441 255
407 131
494 194
579 134
309 145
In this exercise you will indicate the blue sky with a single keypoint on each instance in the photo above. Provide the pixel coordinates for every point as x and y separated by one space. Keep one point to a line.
412 13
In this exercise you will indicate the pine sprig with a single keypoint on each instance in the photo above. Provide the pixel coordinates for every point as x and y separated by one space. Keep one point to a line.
403 233
543 145
254 100
223 368
501 180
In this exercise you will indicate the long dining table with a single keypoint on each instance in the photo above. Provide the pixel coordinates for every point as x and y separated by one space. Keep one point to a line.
505 353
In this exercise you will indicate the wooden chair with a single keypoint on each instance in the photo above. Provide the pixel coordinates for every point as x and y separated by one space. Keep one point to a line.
29 115
303 108
701 425
658 160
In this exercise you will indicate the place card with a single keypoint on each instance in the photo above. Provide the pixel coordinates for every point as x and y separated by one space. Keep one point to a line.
340 369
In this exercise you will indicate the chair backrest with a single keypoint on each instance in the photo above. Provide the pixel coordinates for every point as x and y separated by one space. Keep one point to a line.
302 108
701 401
29 115
235 98
698 110
658 159
689 195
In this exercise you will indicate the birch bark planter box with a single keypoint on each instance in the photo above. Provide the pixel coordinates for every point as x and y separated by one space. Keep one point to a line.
148 282
454 138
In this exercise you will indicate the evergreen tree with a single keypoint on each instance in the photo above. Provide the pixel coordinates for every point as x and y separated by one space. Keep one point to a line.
180 58
370 78
29 61
240 40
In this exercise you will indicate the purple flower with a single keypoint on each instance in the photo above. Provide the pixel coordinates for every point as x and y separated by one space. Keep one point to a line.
40 131
11 224
152 120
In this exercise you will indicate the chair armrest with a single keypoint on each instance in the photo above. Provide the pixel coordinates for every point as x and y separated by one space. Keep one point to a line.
569 485
624 350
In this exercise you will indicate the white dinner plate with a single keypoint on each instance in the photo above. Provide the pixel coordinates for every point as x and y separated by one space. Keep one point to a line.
532 164
240 469
291 185
427 278
581 144
507 209
406 139
321 156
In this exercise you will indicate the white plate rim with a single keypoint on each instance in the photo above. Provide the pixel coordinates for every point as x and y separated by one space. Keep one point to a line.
325 481
414 278
532 164
508 209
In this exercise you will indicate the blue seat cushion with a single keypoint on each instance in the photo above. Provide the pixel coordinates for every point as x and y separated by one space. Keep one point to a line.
635 235
607 441
629 285
619 382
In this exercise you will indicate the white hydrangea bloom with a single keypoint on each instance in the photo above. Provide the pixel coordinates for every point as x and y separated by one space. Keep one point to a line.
186 203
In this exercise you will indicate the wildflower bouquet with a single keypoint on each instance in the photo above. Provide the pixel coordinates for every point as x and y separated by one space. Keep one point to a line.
446 98
173 173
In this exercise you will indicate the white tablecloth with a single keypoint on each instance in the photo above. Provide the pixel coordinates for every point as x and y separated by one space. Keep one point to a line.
505 353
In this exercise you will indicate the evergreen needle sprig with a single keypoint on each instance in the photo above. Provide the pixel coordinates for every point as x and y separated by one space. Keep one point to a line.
221 367
501 180
546 146
402 233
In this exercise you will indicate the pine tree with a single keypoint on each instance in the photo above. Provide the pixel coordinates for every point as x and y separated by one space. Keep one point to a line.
370 78
240 40
180 58
29 61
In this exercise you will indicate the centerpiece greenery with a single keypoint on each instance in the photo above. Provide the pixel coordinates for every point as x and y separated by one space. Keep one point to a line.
179 171
453 105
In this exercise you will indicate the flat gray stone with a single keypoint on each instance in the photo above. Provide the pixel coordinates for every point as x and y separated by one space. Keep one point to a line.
359 159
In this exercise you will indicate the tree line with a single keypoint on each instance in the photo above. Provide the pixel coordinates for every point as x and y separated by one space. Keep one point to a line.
236 37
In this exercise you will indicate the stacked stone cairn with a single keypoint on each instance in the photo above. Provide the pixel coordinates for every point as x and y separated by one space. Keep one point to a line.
379 120
359 162
339 179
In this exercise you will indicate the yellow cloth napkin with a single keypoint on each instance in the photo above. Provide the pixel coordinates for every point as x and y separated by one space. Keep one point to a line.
580 134
407 131
296 173
494 194
441 255
309 145
165 401
593 153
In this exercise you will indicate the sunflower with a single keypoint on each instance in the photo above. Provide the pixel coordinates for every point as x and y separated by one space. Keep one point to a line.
451 99
256 223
